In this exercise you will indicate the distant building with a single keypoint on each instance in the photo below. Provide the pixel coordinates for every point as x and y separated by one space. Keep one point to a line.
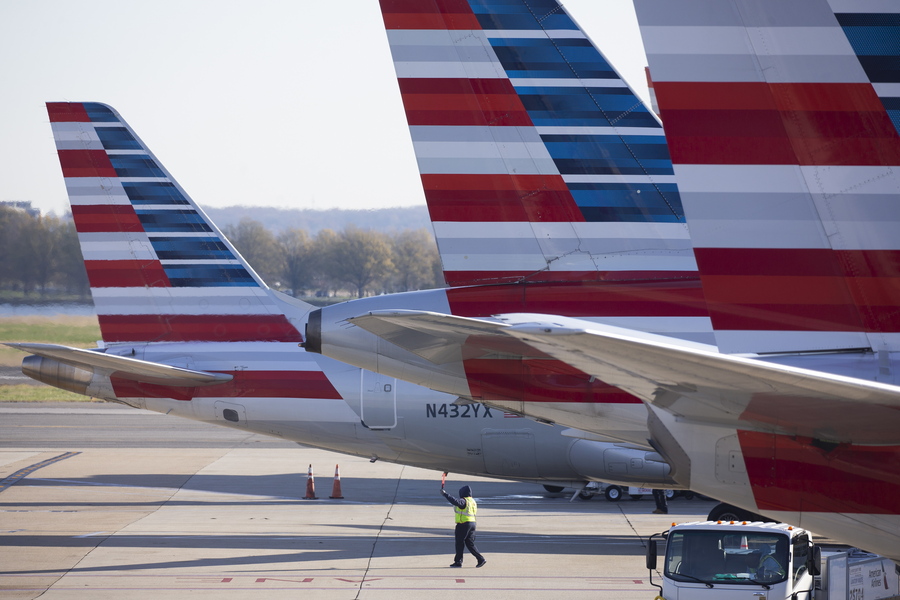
22 205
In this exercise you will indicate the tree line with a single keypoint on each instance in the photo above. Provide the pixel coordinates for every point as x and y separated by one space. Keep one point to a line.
41 257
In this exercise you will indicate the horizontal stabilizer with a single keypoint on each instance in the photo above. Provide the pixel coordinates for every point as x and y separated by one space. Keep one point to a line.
703 386
427 334
439 338
124 367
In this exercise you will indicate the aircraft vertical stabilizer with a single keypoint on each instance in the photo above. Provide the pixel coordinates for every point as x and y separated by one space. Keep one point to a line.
159 269
787 162
539 163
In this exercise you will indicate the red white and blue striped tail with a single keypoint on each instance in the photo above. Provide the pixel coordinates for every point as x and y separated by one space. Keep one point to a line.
539 163
159 269
781 119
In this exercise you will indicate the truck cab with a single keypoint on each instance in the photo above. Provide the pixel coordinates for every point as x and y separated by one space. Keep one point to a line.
732 560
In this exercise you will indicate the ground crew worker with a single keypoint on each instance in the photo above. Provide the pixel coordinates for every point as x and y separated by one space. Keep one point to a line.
465 508
769 568
662 505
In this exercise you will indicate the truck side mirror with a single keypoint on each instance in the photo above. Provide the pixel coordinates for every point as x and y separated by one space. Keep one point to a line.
651 554
814 561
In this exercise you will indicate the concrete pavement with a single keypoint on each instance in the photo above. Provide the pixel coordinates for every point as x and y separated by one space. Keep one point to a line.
230 521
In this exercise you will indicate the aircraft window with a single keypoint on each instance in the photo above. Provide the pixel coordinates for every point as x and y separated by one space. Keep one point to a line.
720 557
231 415
387 387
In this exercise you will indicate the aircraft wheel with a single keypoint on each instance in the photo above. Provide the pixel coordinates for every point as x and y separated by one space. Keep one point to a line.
554 489
613 493
585 494
727 512
670 494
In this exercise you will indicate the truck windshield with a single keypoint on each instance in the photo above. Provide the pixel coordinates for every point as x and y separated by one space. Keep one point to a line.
727 557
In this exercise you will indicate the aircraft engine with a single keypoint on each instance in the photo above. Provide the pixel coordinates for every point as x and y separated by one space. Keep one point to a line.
69 378
621 465
57 374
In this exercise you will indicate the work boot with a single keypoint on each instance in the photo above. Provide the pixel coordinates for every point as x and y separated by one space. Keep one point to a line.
481 563
456 565
659 511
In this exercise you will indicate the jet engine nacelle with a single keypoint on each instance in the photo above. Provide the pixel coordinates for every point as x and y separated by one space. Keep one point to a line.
69 378
328 333
616 464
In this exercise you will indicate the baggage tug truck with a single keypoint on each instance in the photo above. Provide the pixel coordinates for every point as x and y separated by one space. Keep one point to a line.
735 560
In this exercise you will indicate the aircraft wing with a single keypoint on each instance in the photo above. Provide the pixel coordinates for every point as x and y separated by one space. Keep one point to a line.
440 338
703 386
123 366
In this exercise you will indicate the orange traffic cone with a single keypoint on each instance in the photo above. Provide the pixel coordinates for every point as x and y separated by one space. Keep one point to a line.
336 487
310 486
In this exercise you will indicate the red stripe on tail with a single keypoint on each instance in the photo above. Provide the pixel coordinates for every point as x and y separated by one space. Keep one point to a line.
98 218
67 112
428 14
85 163
201 328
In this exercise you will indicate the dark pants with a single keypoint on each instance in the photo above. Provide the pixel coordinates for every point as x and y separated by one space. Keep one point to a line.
465 536
661 503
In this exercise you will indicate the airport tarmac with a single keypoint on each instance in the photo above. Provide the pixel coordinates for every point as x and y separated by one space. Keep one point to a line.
103 501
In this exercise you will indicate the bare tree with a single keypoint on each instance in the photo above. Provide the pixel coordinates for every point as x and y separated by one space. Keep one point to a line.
359 258
258 247
414 253
300 264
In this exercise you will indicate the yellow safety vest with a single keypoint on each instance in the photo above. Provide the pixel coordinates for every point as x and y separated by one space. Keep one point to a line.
464 515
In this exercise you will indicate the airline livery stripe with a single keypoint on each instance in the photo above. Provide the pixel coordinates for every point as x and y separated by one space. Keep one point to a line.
748 143
210 328
820 43
415 14
590 277
668 297
462 102
499 197
771 179
246 384
833 316
126 273
586 230
547 266
106 218
762 96
855 485
539 380
85 163
66 112
854 130
780 262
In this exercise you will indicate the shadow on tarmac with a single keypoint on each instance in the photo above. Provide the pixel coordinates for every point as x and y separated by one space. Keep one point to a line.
421 542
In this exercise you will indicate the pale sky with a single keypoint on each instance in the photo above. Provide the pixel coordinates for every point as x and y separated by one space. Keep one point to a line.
283 103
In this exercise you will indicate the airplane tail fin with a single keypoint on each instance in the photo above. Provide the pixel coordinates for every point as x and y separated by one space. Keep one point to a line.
539 163
159 269
781 120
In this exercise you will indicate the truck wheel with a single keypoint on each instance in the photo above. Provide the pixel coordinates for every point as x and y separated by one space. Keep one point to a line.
585 494
554 489
613 493
670 494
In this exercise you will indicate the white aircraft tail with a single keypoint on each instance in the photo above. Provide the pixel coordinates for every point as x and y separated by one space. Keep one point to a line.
781 119
159 269
539 163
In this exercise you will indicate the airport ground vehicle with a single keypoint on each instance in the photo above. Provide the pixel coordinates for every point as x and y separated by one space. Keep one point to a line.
723 560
